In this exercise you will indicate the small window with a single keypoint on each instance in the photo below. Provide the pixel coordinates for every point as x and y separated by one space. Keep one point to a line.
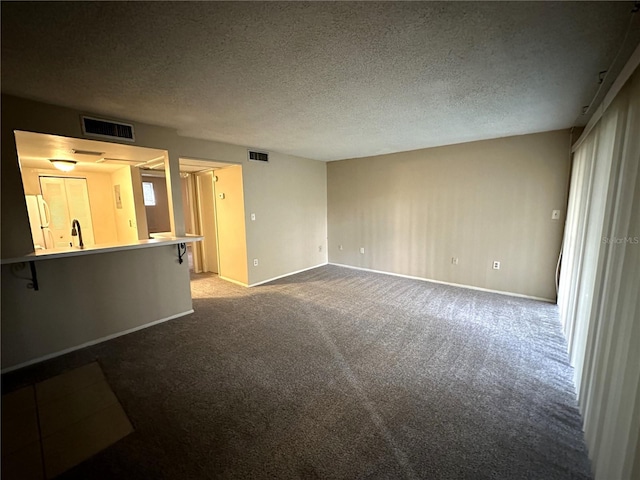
148 194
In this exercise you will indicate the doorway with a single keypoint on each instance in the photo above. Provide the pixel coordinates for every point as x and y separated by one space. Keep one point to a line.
205 188
213 203
197 180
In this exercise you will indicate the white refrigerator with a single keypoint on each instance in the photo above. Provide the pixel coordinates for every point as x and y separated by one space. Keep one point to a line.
39 218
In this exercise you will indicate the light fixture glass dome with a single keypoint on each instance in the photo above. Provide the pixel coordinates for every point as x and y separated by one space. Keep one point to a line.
63 165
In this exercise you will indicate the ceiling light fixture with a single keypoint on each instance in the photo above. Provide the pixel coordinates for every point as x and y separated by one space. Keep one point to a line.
63 165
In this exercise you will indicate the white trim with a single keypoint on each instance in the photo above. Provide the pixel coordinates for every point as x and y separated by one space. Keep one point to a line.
461 285
616 86
288 274
93 342
242 284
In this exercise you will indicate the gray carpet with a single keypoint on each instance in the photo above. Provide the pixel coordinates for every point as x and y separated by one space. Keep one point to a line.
338 373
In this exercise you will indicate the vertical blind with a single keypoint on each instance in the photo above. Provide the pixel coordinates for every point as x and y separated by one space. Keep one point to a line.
599 292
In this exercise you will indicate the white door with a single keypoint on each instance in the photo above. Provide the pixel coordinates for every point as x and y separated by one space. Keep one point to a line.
79 209
68 198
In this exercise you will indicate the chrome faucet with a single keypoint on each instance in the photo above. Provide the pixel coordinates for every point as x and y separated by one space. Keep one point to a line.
76 231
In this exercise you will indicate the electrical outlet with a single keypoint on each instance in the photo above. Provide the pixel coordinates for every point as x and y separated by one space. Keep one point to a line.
255 262
253 217
454 260
339 247
362 250
496 265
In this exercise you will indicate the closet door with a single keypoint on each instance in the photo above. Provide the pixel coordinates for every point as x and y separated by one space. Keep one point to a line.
68 198
54 193
79 208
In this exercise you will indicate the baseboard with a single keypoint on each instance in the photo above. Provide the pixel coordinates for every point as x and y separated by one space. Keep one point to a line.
93 342
226 279
287 275
461 285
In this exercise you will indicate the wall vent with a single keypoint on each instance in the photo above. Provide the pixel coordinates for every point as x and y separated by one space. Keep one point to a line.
258 156
96 127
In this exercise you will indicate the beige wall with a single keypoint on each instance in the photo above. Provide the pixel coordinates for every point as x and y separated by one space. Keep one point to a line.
100 295
127 218
289 198
481 201
100 198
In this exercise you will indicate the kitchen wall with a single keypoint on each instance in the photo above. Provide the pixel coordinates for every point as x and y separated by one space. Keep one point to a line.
130 215
82 299
100 198
479 202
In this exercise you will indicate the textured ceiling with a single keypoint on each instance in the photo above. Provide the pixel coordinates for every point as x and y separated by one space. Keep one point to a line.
319 80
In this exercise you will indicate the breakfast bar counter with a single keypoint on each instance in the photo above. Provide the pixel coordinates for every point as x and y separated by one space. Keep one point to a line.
51 254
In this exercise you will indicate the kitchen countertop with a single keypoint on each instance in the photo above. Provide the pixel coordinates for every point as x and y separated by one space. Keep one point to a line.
54 253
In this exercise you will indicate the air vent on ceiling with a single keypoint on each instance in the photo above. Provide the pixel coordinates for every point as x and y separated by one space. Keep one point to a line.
96 127
122 161
75 151
258 156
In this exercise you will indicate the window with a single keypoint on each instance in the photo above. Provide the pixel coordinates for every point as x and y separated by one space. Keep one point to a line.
148 194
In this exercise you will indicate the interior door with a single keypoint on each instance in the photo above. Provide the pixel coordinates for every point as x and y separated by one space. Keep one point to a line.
79 208
55 195
68 198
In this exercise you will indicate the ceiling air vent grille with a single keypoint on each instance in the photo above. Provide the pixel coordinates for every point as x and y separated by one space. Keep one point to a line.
96 127
258 156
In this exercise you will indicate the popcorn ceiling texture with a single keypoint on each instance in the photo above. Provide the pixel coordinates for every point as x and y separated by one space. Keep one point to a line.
320 80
